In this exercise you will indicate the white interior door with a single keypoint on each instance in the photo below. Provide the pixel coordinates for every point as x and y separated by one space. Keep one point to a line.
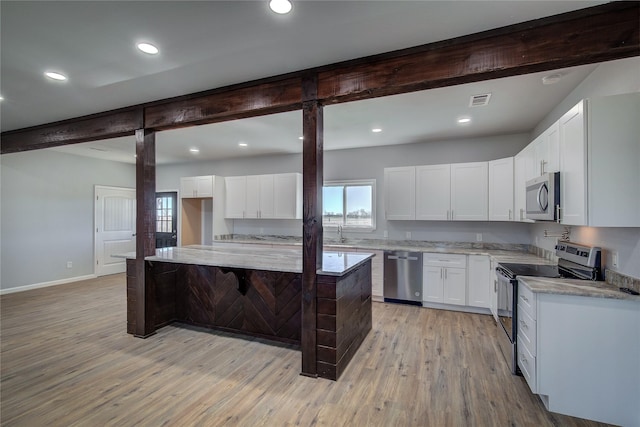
115 226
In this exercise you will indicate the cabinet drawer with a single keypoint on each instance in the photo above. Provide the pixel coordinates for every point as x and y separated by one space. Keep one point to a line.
527 364
527 300
527 330
444 260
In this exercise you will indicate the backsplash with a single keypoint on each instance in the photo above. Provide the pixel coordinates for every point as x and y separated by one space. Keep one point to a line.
621 281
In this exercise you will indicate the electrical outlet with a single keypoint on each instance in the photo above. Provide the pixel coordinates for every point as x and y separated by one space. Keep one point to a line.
478 237
407 235
261 230
69 264
385 233
614 258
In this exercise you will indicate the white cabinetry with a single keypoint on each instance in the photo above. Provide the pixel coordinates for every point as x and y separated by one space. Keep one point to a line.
501 190
470 191
524 170
600 162
196 187
546 151
433 192
493 289
276 196
444 278
479 281
287 196
573 167
236 196
400 193
569 351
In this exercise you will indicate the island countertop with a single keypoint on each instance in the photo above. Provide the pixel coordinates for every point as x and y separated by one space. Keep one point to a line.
334 263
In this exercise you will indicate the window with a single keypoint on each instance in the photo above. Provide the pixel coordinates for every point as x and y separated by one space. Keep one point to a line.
350 204
164 214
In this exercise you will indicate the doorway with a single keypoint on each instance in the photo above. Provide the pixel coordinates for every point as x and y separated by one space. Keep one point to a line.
166 219
115 225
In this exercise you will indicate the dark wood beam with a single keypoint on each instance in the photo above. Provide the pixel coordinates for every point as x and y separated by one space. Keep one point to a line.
586 36
312 180
260 99
89 128
145 229
601 33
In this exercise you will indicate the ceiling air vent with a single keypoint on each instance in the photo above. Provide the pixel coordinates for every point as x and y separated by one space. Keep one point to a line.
479 100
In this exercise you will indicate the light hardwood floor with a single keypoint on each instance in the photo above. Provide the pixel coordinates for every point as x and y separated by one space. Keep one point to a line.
66 360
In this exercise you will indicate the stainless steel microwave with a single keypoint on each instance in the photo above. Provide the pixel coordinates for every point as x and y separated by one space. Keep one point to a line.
543 197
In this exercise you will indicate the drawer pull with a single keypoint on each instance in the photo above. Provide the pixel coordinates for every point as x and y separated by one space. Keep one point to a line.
524 360
524 325
525 298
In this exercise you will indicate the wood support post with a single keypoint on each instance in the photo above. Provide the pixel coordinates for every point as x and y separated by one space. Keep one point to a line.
145 229
312 178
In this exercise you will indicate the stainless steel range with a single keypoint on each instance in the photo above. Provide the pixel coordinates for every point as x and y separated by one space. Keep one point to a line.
574 261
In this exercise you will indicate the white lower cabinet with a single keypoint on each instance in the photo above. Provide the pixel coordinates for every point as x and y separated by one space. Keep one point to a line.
377 274
493 289
444 278
580 354
479 285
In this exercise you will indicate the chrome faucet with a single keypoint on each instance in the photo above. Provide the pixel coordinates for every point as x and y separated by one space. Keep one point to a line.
341 239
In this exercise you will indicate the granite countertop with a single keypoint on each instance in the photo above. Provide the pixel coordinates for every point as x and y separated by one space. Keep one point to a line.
256 258
587 288
499 252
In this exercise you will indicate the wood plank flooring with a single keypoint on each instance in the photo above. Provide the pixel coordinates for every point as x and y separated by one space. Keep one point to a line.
66 360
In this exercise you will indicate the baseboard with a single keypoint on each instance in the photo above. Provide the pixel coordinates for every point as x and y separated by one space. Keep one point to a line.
46 284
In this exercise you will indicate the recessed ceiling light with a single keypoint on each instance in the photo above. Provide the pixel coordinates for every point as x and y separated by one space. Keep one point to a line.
194 150
148 48
464 120
242 144
280 6
300 138
1 98
55 76
376 130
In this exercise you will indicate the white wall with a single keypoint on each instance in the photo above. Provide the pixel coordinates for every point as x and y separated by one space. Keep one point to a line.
369 163
47 214
611 78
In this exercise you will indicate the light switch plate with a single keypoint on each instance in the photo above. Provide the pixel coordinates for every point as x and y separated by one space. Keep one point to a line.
614 258
478 237
407 235
385 234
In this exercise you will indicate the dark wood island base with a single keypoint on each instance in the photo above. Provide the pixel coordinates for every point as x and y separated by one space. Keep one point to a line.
259 303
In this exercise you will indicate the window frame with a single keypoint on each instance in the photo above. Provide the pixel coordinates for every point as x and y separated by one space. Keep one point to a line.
353 183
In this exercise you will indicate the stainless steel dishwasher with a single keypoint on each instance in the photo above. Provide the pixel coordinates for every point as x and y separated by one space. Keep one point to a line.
403 277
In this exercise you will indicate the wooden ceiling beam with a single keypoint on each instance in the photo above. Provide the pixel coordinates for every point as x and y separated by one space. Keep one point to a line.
601 33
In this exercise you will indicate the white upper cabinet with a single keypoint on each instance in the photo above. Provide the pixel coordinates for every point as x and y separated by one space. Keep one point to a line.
196 187
235 196
573 167
613 145
400 193
600 162
501 190
287 196
546 151
275 196
470 191
433 192
523 165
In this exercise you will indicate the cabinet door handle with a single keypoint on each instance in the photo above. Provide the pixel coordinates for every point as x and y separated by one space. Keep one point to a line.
509 214
521 214
525 298
441 274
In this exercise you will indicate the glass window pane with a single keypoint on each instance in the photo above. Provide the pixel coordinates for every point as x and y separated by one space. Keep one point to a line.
359 207
332 206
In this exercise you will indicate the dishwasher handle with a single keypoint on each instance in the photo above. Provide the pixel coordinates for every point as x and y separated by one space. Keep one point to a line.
410 258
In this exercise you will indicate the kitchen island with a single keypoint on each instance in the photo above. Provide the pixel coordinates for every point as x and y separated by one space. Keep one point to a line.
258 292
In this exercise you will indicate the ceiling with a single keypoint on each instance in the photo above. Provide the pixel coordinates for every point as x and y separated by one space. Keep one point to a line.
204 45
